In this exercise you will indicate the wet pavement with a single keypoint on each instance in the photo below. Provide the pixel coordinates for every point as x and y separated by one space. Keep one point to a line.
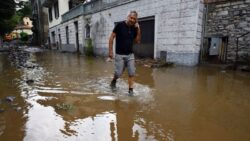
66 97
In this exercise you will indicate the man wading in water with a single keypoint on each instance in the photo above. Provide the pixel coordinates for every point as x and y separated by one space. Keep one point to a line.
126 33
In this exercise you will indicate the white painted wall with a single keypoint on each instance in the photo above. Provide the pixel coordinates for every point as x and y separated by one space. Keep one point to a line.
27 21
28 31
63 8
178 25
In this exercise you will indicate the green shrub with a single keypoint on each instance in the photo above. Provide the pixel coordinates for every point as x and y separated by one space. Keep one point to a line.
88 47
24 36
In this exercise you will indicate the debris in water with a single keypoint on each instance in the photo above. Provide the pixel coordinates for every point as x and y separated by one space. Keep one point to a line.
2 110
10 98
30 81
63 106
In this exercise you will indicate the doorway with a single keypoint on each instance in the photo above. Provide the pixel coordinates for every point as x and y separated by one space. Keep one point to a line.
215 50
77 37
60 40
146 48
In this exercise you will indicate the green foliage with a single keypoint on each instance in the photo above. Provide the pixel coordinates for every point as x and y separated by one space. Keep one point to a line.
89 47
24 36
9 19
8 25
7 10
25 10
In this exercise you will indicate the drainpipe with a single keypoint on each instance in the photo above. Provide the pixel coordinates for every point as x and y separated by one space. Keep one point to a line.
203 30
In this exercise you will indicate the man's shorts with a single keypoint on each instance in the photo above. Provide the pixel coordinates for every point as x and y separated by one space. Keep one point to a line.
123 61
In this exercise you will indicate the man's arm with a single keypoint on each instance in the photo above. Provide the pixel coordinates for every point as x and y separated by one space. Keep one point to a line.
138 34
111 39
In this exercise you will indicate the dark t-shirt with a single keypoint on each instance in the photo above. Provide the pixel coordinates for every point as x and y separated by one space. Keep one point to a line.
125 36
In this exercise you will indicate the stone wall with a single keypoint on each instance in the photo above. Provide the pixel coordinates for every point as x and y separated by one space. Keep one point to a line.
230 19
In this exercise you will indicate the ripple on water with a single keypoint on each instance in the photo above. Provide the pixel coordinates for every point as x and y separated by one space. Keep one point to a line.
142 93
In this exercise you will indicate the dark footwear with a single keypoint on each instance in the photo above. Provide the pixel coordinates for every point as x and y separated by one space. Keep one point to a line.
130 92
113 84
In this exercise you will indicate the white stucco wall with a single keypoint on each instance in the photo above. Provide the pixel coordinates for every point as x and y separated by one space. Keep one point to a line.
28 31
178 27
27 21
63 7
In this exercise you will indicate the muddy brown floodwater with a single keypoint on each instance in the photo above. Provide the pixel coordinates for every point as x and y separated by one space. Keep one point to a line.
70 100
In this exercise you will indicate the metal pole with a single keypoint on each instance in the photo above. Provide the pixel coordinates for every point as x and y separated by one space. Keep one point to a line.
237 49
236 53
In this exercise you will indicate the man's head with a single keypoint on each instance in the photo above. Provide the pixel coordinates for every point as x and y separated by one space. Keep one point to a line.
132 18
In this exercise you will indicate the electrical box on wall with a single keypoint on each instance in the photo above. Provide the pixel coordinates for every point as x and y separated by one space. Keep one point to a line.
215 46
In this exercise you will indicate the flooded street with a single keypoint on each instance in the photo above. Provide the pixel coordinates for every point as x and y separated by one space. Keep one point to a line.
69 99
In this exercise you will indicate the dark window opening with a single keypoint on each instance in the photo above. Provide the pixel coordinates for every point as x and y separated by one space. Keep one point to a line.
87 33
67 34
70 4
50 14
53 35
56 10
73 3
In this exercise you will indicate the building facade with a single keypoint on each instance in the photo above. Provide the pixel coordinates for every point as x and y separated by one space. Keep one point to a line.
55 11
170 29
24 27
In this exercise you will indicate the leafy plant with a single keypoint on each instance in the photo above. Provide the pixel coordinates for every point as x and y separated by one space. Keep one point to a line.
63 106
24 36
7 10
89 47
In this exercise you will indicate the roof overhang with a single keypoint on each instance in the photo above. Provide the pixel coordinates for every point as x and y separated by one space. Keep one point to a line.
217 1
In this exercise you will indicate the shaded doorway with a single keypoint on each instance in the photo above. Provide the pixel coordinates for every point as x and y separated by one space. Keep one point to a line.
214 50
77 36
60 40
146 48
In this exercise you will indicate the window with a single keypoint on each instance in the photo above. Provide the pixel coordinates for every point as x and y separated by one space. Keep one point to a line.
70 4
56 9
59 36
67 34
50 14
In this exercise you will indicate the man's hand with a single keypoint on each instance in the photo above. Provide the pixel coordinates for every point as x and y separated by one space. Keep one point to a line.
111 55
109 59
138 36
137 25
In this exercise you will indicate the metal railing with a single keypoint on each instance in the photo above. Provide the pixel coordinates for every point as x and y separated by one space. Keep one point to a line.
237 48
74 12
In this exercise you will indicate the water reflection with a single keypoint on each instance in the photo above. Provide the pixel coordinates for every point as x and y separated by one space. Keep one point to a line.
98 114
170 104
